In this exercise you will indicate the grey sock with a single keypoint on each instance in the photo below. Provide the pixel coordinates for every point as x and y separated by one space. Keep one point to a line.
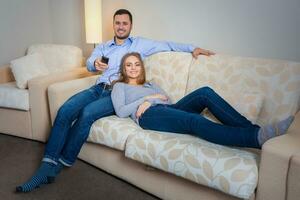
269 131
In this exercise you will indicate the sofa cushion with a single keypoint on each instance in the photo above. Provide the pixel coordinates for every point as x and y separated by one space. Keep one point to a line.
58 57
275 80
13 97
170 71
223 73
279 82
230 170
112 131
28 67
247 104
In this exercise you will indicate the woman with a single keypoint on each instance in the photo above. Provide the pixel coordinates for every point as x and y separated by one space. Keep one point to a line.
151 108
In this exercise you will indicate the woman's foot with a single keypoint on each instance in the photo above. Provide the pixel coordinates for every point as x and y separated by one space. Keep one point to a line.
269 131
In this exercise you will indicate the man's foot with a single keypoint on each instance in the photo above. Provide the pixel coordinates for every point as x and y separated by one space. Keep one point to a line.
44 175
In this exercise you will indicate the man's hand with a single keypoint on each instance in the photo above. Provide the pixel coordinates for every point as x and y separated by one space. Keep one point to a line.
157 96
199 51
142 108
100 66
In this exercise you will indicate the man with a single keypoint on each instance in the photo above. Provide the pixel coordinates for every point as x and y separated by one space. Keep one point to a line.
123 43
75 117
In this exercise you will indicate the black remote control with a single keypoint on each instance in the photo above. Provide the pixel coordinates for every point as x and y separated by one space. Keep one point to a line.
104 59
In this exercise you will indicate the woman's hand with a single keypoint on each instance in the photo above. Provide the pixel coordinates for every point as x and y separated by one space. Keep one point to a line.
142 108
157 96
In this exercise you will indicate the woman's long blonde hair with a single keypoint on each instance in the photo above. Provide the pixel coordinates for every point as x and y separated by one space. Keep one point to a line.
123 77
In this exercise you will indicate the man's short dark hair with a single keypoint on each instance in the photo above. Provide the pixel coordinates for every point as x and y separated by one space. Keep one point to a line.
123 12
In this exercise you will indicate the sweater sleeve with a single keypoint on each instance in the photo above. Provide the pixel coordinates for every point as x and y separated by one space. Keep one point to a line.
160 91
118 97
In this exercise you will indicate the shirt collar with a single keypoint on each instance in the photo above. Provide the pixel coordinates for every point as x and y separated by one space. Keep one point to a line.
112 42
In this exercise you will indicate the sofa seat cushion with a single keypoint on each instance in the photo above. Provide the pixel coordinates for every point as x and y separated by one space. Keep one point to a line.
13 97
113 131
230 170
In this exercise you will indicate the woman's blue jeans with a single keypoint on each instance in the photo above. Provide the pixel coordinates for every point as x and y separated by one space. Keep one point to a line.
73 121
184 117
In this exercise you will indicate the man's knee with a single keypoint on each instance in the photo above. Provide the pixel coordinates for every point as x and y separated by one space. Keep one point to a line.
64 114
85 115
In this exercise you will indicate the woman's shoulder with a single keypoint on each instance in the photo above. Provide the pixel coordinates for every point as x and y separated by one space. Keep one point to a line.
119 86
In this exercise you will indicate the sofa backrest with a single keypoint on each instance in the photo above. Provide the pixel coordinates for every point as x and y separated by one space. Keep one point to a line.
276 81
58 57
170 71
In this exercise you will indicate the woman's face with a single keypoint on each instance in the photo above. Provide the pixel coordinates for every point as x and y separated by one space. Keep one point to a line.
133 67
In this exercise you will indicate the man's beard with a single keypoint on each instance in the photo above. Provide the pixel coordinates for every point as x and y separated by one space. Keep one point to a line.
122 37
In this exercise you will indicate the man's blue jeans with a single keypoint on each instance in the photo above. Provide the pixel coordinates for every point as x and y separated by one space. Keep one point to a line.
183 117
73 121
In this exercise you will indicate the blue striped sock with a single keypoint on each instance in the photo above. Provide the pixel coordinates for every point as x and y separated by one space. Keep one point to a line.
42 175
57 169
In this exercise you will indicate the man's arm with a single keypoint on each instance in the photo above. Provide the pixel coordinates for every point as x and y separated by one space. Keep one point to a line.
91 61
149 47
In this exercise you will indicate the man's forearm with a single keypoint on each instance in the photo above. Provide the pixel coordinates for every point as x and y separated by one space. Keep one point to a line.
90 64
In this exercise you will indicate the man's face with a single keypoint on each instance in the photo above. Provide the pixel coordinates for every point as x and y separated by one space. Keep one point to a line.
122 26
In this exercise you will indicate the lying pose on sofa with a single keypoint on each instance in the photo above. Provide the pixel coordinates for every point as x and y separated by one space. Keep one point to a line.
67 138
149 106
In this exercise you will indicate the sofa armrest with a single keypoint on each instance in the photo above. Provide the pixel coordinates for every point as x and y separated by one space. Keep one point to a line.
275 161
6 74
38 99
58 93
293 191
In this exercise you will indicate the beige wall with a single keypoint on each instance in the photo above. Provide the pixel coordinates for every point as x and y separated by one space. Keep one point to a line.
22 22
259 28
67 21
26 22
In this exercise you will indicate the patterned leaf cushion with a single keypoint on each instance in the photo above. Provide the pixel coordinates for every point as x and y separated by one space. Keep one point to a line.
277 81
113 131
170 71
230 170
248 104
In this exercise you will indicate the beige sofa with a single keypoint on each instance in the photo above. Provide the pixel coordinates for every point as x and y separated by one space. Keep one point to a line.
31 119
174 166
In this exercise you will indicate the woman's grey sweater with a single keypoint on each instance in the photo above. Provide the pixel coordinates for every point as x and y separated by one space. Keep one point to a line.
127 98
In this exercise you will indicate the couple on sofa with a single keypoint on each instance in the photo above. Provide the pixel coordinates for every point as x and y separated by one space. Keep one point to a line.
123 89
